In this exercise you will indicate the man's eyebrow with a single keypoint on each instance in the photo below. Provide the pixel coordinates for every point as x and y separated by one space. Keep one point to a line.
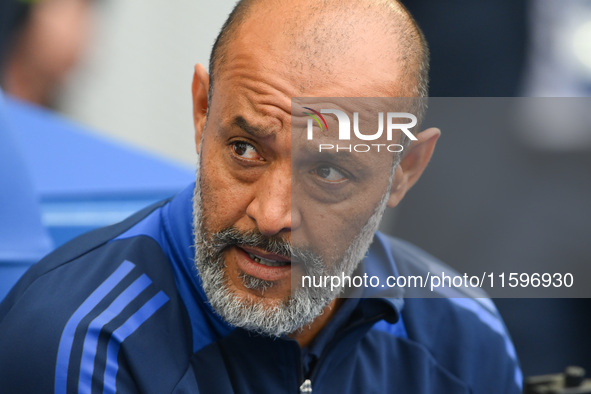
256 132
334 156
339 158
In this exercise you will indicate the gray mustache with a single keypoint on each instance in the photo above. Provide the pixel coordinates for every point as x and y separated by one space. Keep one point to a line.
274 244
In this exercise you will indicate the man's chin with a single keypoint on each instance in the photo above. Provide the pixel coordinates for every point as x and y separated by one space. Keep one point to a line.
269 297
262 311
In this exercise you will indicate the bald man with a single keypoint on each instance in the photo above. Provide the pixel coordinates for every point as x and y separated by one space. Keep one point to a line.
206 292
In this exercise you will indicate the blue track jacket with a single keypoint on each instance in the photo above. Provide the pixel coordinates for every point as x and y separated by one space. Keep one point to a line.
121 309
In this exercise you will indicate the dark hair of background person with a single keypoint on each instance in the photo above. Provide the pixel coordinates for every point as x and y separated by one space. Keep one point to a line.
13 16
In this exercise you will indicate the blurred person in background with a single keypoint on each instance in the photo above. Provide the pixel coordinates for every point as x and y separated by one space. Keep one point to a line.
59 179
532 201
40 42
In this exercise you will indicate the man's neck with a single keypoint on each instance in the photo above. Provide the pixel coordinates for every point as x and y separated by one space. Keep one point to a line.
309 332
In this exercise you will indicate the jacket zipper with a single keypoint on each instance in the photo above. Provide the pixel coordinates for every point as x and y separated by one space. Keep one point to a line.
331 345
306 387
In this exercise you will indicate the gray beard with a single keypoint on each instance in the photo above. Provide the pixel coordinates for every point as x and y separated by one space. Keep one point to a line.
303 305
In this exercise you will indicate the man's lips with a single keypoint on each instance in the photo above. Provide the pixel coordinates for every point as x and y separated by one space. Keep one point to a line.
266 257
263 265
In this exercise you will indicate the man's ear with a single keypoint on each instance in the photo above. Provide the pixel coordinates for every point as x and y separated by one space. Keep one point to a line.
200 89
415 159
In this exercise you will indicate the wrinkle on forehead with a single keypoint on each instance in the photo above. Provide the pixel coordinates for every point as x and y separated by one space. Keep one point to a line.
327 43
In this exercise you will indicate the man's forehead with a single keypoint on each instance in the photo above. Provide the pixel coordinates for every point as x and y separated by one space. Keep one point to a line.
316 52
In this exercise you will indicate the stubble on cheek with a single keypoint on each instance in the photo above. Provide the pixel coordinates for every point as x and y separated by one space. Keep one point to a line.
329 233
216 202
217 215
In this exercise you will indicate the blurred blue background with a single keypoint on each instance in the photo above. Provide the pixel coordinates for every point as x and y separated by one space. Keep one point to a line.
60 180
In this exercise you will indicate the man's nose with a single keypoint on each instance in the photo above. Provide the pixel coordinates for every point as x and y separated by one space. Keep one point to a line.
271 205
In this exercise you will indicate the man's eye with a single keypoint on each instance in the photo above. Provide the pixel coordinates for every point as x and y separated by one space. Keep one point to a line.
330 174
245 150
